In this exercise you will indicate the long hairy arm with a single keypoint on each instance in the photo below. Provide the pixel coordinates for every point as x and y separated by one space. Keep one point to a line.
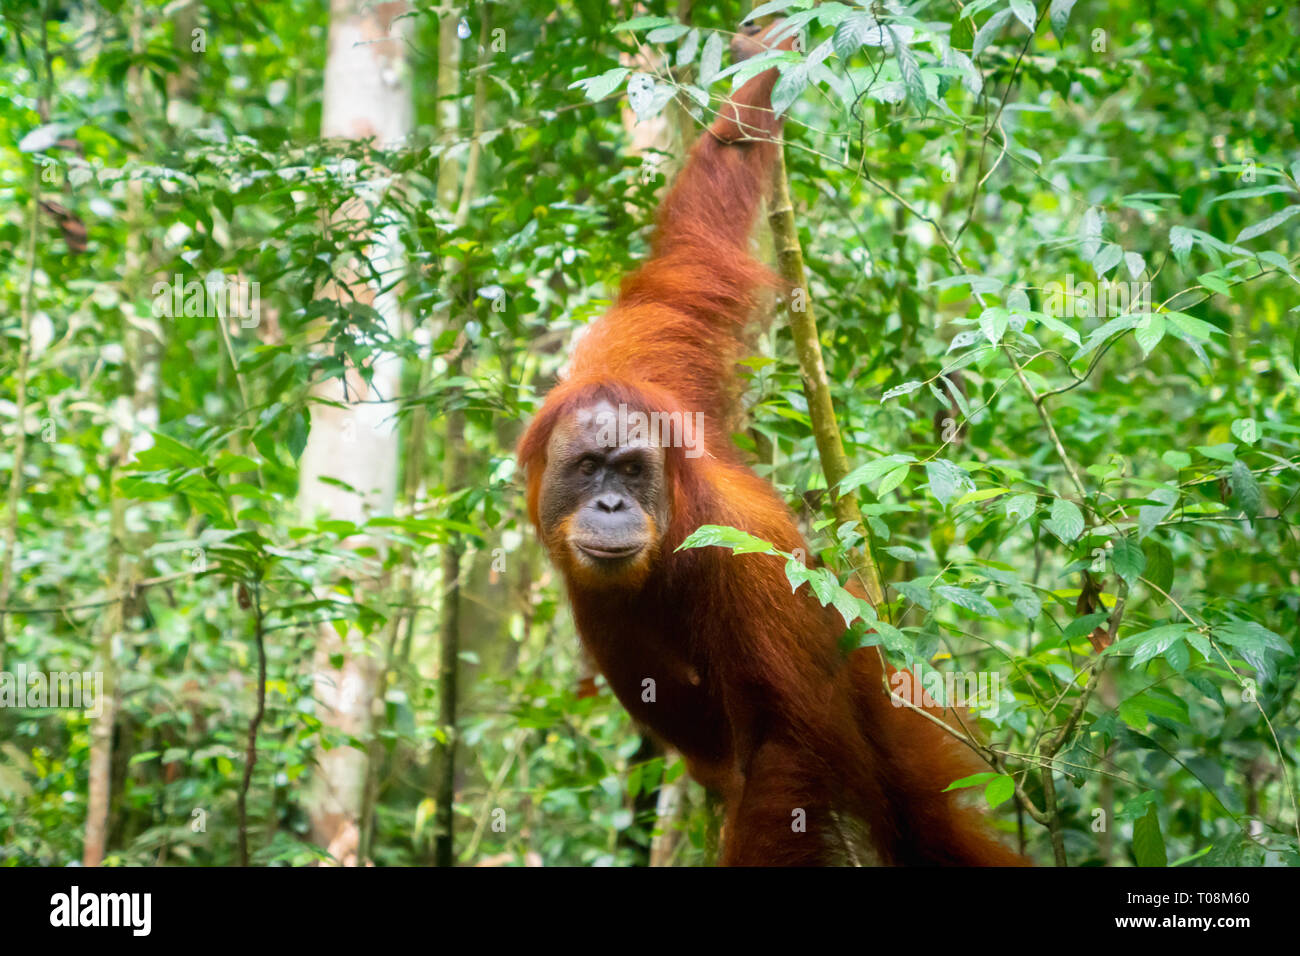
679 317
700 260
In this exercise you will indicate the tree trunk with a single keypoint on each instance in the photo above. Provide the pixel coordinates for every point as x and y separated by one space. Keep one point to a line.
367 95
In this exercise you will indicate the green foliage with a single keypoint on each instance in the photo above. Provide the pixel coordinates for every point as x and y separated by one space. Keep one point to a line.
1053 254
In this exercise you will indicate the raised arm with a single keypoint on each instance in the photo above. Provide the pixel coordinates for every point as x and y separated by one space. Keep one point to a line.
679 317
717 193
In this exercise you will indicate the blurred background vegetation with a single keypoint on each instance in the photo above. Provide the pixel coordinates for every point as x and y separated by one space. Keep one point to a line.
284 521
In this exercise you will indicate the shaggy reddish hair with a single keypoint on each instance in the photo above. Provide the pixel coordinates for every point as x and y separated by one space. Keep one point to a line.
751 685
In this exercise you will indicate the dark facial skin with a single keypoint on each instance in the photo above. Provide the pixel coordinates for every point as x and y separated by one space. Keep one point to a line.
603 507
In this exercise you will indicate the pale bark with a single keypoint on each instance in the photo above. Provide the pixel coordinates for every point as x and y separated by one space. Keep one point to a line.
367 96
667 834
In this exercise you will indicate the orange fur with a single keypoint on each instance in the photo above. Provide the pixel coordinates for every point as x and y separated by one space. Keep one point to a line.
747 678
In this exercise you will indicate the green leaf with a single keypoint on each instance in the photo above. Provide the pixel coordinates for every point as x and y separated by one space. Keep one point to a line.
667 33
1027 603
971 78
643 23
711 59
299 427
903 389
1135 807
167 451
1245 430
977 6
984 494
988 33
869 472
1020 507
823 584
1252 191
1025 13
687 49
228 463
1108 258
1180 241
1251 636
1150 330
599 87
1267 225
894 639
852 34
1177 656
916 591
1214 284
796 572
1082 626
1133 713
722 536
1148 843
1160 565
1226 452
1151 515
1245 488
974 780
892 480
1128 560
958 398
224 205
793 81
993 323
1060 16
778 6
1106 330
967 599
848 605
1237 849
947 480
911 73
1151 643
1066 521
44 137
999 790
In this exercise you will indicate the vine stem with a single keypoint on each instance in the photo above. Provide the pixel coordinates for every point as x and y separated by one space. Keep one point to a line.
1047 424
821 409
250 755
